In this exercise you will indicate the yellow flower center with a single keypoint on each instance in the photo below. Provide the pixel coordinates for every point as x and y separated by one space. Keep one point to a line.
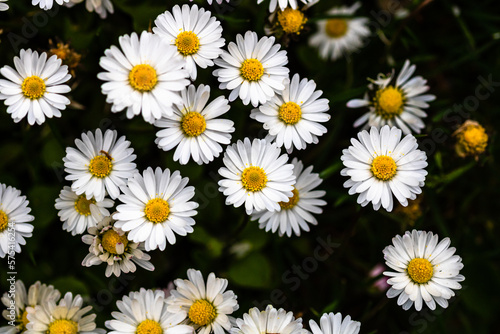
4 221
157 210
336 28
143 78
100 166
389 102
63 326
420 270
292 201
475 139
202 312
290 113
187 43
149 327
252 70
193 124
24 320
82 205
384 167
291 20
110 239
254 178
33 87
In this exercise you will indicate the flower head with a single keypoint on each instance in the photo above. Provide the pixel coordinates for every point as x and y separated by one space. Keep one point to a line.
333 323
471 139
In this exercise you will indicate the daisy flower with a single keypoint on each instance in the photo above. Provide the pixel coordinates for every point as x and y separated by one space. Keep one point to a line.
395 102
14 218
333 323
380 164
194 127
218 1
143 78
472 139
340 36
194 32
269 321
3 6
206 307
425 270
253 69
293 117
256 174
295 213
74 210
101 7
47 4
100 164
34 88
283 4
37 294
145 312
66 317
155 207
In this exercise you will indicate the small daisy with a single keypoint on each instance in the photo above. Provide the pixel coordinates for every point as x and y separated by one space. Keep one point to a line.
47 4
145 312
143 78
256 174
14 218
472 139
37 294
295 214
101 7
269 321
3 6
333 323
194 32
425 270
395 103
35 87
380 164
194 128
293 117
155 207
340 36
206 307
253 69
66 317
283 4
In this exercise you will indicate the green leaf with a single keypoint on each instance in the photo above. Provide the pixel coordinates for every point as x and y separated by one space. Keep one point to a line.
253 271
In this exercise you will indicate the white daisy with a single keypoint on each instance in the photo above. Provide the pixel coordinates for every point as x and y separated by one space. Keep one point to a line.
145 312
101 7
14 218
47 4
37 294
269 321
283 4
34 88
333 323
395 102
340 36
66 317
295 214
218 1
194 128
100 164
380 164
293 117
425 270
253 69
256 174
194 32
143 78
155 207
3 6
74 210
206 307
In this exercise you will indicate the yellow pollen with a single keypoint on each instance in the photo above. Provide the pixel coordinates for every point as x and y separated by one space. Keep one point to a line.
4 221
290 113
33 87
336 28
389 102
202 312
474 139
157 210
193 124
100 166
149 327
110 239
143 78
254 178
420 270
291 20
63 326
187 43
383 167
252 70
82 205
24 320
292 200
